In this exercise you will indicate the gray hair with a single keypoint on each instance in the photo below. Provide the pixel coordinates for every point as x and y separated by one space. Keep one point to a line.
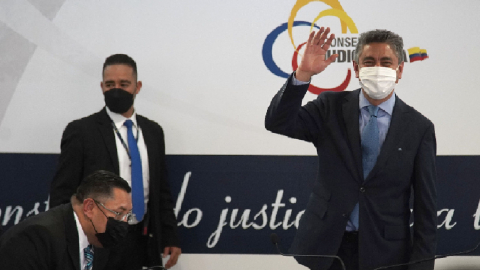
380 36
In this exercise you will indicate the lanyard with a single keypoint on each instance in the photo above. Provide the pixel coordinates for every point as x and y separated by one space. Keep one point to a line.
123 142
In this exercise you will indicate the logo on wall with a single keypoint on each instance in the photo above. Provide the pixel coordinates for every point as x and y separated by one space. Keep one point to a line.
343 46
345 54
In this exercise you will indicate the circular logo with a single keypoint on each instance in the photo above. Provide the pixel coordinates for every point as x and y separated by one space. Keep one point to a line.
336 11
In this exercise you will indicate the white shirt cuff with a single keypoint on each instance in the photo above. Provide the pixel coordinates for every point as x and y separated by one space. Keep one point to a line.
297 82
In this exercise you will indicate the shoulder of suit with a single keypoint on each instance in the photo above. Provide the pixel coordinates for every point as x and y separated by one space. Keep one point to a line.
332 98
416 114
42 227
90 118
337 95
54 217
146 121
87 121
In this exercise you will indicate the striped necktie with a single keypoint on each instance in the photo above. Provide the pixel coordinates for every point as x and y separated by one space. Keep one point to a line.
88 253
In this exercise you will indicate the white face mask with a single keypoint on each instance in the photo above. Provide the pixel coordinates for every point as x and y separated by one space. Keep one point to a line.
378 82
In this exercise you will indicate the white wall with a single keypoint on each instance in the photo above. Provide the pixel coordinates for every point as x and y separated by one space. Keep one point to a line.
204 78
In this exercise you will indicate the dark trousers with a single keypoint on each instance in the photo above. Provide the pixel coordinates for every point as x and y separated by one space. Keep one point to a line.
130 254
348 252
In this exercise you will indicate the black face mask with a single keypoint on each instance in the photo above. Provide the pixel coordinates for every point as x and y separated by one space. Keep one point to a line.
114 233
118 100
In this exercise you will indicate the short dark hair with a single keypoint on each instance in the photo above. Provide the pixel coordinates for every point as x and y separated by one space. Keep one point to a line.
380 36
120 59
100 184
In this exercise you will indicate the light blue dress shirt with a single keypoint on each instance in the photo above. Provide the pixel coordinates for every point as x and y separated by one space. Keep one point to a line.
383 118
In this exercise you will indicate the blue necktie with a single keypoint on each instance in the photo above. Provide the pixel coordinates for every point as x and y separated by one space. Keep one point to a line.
88 253
370 142
137 176
370 150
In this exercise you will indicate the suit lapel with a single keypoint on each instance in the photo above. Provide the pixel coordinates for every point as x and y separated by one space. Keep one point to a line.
350 116
395 133
105 126
149 142
71 232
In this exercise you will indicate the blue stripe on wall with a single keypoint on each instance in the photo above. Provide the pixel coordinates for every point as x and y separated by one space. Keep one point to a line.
252 195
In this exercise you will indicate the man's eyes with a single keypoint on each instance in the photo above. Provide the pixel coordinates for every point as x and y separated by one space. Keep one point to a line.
383 64
123 85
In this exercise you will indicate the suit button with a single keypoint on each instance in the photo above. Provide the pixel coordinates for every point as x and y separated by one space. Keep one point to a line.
362 189
344 215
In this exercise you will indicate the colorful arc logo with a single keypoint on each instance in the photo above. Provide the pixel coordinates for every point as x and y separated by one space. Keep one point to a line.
336 11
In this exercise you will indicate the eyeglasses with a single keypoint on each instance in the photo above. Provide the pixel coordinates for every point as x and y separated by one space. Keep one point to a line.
118 216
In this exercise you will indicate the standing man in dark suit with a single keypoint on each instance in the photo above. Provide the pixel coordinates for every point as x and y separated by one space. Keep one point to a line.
72 236
373 149
119 140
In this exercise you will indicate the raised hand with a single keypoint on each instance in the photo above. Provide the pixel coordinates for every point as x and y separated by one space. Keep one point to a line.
313 59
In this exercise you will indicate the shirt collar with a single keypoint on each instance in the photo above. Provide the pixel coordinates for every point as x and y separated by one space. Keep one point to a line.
82 237
119 119
386 106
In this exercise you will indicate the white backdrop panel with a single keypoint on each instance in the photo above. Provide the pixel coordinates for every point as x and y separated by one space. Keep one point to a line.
204 77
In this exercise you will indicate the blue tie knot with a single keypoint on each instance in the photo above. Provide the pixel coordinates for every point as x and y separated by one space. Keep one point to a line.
372 110
128 123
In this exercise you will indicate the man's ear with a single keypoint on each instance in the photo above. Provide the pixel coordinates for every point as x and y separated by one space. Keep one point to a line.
139 86
356 69
400 71
101 87
88 205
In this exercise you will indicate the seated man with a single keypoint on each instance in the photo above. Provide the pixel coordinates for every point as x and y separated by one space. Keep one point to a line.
72 235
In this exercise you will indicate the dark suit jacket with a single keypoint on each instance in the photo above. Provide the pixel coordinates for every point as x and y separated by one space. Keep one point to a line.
406 161
88 144
47 241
